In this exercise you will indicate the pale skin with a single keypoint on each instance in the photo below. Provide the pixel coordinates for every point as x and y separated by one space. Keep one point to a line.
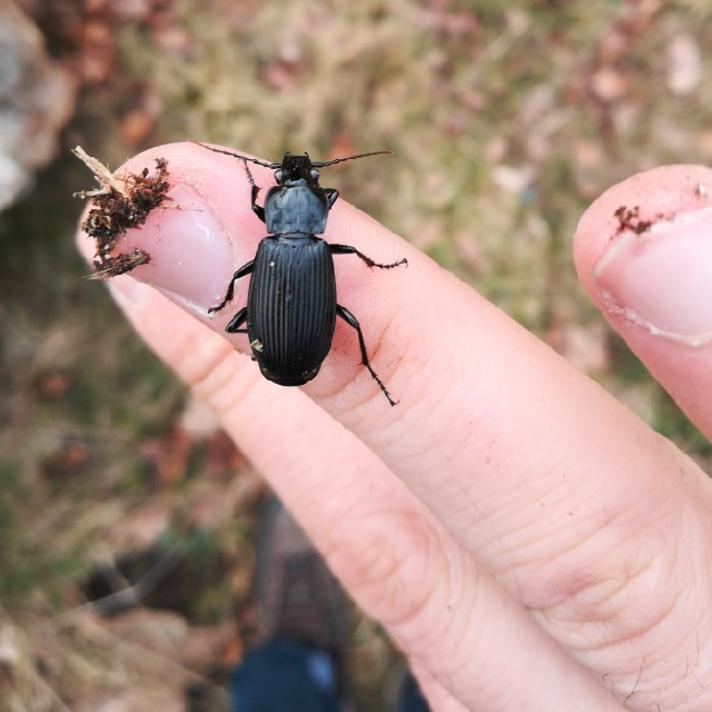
527 541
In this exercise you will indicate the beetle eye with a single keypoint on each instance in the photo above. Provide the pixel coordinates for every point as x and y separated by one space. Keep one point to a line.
314 173
279 175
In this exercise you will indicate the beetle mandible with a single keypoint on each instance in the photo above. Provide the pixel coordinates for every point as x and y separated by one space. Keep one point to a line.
291 302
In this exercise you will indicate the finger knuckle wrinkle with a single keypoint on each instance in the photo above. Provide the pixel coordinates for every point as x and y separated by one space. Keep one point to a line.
620 598
396 569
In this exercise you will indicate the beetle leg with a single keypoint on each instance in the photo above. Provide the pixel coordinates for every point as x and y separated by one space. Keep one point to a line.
258 209
241 272
351 320
236 322
348 250
331 195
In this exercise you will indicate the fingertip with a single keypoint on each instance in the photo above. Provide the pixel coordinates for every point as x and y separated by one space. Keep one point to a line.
194 236
644 255
658 194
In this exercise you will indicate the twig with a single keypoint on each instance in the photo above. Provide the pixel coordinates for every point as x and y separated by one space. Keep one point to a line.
103 175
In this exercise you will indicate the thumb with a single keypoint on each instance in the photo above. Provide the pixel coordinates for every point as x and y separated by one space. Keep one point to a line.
644 254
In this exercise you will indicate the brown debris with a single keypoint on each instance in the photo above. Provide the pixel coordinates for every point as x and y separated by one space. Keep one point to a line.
120 204
168 455
52 385
69 460
629 219
114 265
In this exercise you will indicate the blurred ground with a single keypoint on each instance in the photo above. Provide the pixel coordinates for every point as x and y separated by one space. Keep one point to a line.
506 120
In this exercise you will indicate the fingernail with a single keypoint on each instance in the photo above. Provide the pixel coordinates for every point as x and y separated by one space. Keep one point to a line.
661 279
191 254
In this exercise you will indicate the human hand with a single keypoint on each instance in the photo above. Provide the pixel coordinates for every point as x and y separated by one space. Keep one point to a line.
528 542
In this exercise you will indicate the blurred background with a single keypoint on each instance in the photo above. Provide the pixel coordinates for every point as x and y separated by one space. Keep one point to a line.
126 516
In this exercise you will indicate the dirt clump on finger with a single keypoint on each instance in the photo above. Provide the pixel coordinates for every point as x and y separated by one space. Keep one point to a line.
120 203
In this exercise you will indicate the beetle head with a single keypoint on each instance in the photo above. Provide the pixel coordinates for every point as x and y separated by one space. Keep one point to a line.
294 168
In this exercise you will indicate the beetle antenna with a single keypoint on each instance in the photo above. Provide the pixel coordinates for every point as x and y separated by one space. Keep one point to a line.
322 164
240 156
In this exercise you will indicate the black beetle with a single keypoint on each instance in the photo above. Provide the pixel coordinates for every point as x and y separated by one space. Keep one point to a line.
291 303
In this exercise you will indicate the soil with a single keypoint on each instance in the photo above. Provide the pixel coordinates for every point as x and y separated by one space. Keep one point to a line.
121 204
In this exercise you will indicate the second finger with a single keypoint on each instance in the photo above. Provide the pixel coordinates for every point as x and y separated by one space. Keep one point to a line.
394 558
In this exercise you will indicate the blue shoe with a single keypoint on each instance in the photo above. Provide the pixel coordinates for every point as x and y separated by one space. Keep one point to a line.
301 621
